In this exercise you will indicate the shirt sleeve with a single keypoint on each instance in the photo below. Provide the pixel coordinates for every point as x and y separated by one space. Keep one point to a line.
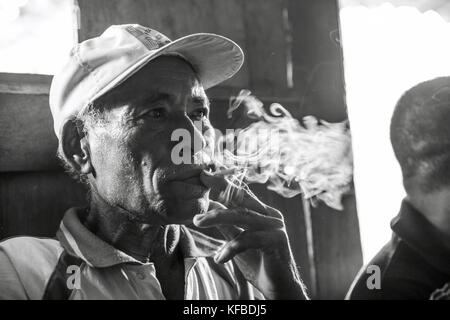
11 287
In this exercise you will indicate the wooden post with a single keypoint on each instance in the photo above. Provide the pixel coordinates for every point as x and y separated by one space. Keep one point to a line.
319 85
310 246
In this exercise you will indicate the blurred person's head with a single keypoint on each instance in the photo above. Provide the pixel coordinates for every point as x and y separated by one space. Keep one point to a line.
420 136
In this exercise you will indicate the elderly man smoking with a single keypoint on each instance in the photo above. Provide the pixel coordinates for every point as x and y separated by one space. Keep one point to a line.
115 106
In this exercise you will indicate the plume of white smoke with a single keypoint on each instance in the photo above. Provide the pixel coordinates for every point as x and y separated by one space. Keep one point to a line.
313 158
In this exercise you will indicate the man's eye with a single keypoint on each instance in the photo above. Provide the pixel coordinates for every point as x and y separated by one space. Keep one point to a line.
157 113
199 114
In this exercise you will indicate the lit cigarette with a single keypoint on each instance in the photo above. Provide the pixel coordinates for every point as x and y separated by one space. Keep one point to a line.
227 172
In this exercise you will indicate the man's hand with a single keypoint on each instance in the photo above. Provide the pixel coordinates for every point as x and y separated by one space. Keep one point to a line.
257 241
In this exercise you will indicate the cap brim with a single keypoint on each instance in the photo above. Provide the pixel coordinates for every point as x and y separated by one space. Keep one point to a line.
214 58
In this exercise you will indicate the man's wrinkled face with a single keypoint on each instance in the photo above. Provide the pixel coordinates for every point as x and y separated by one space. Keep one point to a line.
132 152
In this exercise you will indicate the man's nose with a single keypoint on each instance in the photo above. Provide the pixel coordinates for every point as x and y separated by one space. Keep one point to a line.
194 130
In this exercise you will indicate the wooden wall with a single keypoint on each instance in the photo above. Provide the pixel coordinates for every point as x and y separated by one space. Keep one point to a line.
292 57
34 191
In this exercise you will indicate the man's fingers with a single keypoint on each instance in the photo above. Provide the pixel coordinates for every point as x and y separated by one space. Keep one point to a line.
239 197
216 183
213 181
252 202
241 217
215 205
229 232
245 241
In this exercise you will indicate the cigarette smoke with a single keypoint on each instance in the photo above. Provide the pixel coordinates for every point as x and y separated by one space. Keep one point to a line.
313 158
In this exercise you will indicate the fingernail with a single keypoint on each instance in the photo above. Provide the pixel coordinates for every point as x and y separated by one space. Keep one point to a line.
199 217
208 172
217 257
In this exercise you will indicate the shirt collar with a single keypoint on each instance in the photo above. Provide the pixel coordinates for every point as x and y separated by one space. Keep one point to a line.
79 241
413 228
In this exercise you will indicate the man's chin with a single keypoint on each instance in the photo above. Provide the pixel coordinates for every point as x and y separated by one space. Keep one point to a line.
183 212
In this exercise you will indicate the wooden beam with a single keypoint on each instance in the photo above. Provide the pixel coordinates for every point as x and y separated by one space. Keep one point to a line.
21 83
318 80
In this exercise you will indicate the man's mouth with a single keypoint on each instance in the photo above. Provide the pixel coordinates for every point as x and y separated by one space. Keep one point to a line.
193 180
190 176
187 184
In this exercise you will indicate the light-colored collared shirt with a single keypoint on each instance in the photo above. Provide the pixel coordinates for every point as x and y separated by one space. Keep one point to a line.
79 265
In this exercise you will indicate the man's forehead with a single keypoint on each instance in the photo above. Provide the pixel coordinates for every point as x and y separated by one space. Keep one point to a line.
175 83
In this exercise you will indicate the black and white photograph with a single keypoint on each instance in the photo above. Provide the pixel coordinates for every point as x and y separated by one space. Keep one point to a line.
238 150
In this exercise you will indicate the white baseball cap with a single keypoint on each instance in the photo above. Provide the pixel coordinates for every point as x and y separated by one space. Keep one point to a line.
97 65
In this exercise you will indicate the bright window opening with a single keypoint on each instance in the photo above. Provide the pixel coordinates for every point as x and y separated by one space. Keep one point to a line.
36 35
387 50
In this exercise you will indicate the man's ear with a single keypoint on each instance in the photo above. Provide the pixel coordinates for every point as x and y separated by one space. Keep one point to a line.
75 148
